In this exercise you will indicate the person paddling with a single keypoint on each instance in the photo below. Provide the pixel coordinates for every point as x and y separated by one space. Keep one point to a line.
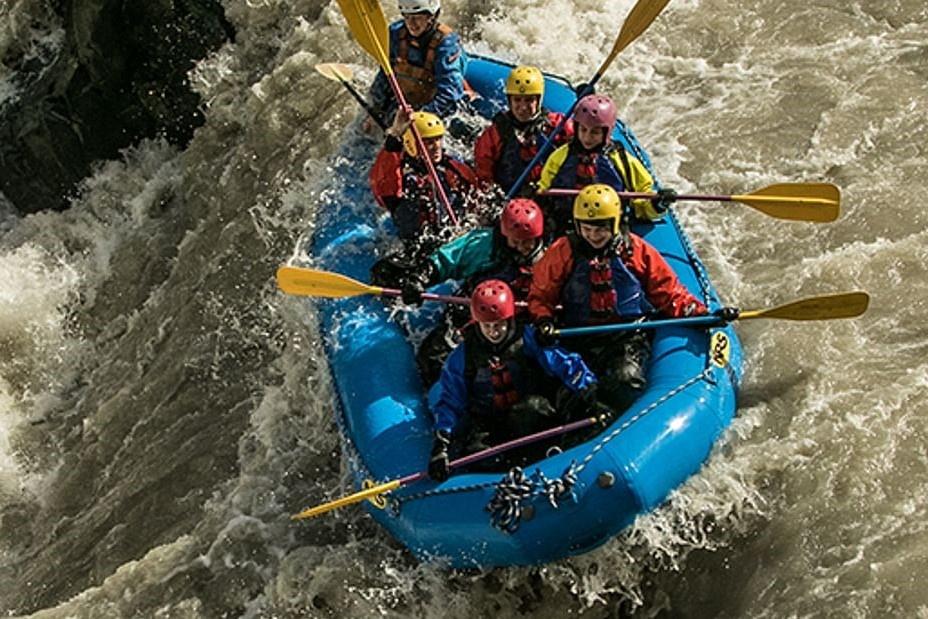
505 252
496 385
401 184
428 61
592 156
601 274
510 142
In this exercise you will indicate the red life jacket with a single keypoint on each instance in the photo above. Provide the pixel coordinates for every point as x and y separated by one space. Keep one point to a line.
600 289
505 395
496 379
520 144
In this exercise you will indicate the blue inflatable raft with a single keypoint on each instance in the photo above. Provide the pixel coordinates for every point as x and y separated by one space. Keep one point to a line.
564 505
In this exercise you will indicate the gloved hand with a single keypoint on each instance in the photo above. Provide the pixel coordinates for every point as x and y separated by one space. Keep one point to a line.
411 293
390 271
583 89
535 405
695 309
727 314
478 442
605 414
665 197
440 461
581 403
545 328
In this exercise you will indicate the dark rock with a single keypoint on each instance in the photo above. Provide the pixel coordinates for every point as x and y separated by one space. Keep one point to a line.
120 76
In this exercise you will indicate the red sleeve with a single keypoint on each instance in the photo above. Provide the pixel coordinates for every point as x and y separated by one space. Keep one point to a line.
548 277
386 177
467 173
662 287
487 151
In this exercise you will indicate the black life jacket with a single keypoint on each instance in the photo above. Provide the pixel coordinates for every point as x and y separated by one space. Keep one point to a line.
520 143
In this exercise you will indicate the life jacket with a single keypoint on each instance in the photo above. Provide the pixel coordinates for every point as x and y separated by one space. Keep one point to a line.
519 145
600 289
418 81
506 268
582 167
418 189
497 377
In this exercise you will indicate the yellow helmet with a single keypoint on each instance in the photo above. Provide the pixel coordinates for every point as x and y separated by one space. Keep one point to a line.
598 203
428 125
525 81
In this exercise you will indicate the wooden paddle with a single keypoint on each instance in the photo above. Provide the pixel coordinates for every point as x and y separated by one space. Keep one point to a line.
343 73
815 202
639 18
369 26
373 491
306 282
826 307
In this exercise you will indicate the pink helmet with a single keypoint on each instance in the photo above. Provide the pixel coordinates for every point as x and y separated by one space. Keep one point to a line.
596 111
492 300
522 220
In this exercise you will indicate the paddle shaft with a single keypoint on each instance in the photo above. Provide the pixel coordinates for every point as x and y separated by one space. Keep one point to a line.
513 444
427 296
641 195
824 307
420 145
547 143
694 321
389 486
367 107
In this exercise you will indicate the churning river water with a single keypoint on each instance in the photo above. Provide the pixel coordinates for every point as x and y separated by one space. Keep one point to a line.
163 408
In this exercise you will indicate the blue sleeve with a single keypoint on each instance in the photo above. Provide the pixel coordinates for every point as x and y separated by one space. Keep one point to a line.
450 64
569 367
465 256
380 92
448 399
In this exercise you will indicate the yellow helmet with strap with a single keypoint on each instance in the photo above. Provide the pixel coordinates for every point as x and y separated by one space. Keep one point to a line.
598 203
428 125
525 80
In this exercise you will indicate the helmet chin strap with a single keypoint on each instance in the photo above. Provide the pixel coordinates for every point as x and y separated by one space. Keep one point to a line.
523 260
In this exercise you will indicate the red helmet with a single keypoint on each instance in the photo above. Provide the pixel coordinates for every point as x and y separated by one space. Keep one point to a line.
596 111
522 220
492 301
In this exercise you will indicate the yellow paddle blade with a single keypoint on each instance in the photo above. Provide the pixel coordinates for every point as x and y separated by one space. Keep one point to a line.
335 71
638 20
818 202
314 283
826 307
351 499
369 27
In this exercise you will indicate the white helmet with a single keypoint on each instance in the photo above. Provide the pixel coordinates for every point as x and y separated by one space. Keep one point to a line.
408 7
